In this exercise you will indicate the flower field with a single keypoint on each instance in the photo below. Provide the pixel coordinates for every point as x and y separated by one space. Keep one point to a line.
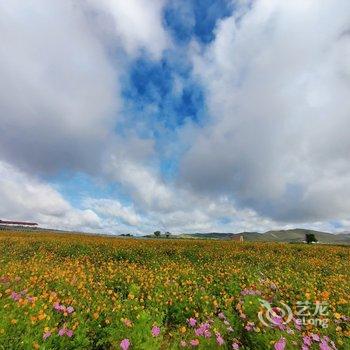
61 291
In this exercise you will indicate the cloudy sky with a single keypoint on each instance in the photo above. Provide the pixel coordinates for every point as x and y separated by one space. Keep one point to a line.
181 115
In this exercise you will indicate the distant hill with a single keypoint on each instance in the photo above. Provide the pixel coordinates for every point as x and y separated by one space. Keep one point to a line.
293 235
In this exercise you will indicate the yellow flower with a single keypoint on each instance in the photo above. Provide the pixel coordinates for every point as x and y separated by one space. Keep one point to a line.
325 295
183 329
42 317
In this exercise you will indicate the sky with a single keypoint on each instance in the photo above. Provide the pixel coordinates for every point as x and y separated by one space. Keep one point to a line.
179 115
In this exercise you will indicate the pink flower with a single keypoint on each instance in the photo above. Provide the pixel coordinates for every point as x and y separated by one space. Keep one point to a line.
127 322
203 329
221 316
219 339
70 309
64 331
249 327
315 337
46 335
307 340
192 321
56 306
125 344
183 344
199 331
277 320
297 323
324 345
280 344
235 346
15 296
305 347
207 333
155 331
194 342
206 325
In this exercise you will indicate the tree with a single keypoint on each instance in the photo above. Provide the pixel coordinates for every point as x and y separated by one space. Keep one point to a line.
157 234
310 238
167 234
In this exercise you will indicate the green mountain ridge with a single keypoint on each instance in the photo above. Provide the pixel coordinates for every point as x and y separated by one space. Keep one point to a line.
292 235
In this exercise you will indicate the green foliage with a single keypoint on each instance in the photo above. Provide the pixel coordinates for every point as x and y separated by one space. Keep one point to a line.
157 233
310 238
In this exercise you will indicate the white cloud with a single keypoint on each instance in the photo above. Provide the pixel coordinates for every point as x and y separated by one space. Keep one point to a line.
59 77
168 206
24 197
278 90
114 210
137 24
58 87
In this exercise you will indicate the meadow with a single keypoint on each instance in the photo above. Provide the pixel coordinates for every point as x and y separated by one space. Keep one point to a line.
65 291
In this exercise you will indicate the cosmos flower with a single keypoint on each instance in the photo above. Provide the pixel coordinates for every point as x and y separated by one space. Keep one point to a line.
70 309
46 335
65 331
15 296
307 340
249 326
315 337
194 342
125 344
192 322
219 339
221 315
280 344
324 345
297 323
155 331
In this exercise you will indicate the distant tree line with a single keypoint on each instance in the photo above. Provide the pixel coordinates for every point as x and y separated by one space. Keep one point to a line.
310 238
157 234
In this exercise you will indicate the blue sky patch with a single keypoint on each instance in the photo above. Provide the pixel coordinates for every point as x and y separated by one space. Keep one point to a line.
196 18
